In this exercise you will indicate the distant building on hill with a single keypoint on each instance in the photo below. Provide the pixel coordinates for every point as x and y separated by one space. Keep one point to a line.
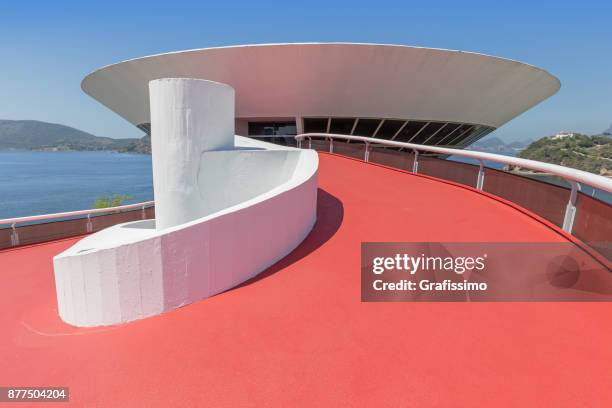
563 135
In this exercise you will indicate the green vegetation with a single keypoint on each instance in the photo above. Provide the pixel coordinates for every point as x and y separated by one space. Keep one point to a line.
588 153
114 200
142 146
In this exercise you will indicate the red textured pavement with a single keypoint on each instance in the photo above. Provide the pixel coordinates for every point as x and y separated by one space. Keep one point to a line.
298 335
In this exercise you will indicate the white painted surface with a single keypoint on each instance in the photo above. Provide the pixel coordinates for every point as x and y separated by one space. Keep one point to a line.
188 117
263 205
338 79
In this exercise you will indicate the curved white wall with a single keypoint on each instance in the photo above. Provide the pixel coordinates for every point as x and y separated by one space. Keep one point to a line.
227 208
188 117
131 271
245 174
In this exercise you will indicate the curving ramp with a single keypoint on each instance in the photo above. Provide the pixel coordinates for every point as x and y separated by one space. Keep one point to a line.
227 208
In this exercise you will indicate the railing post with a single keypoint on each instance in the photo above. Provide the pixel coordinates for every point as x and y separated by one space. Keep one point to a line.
415 165
299 143
481 176
570 209
367 152
331 145
309 143
143 214
14 235
89 225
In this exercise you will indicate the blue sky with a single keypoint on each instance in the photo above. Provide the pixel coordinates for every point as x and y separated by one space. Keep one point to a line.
46 48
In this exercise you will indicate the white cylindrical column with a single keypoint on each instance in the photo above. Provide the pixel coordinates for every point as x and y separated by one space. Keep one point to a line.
188 117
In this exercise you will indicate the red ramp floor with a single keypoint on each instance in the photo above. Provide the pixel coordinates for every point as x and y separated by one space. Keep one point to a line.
298 335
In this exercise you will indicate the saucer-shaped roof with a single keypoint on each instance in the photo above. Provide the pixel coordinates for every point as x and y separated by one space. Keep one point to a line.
338 79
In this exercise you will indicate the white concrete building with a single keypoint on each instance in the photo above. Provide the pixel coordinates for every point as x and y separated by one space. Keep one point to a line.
410 94
218 193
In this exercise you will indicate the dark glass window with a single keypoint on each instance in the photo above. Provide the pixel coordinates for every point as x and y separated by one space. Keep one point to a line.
489 130
462 133
145 127
431 135
410 130
448 139
271 128
366 127
473 135
479 134
341 126
315 125
442 133
463 137
389 128
432 128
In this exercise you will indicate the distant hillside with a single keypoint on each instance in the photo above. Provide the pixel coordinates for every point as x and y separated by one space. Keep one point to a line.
608 132
583 152
496 145
142 145
36 135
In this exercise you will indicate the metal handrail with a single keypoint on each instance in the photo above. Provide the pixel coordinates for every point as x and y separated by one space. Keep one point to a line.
89 227
573 176
567 173
31 218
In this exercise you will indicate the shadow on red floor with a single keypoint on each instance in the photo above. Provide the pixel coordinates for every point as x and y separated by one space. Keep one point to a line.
329 218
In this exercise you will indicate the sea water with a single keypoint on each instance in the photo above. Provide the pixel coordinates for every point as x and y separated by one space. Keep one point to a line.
33 183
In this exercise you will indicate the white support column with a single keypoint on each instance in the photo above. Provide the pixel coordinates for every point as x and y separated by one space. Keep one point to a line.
14 235
299 125
481 176
570 209
188 117
415 164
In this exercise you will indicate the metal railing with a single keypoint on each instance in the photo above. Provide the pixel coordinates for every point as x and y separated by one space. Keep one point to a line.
13 222
573 176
